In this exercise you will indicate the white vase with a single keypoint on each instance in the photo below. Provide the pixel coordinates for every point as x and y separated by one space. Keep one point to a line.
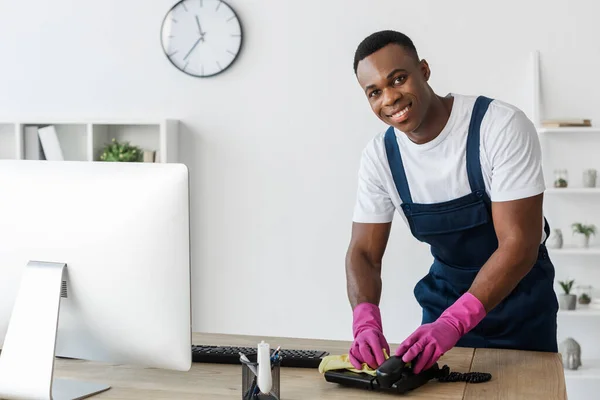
555 241
589 178
582 240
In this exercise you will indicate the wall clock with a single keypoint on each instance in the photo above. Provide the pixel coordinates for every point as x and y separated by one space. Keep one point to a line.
201 37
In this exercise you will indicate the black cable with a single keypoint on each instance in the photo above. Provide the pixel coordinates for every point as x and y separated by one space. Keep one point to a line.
470 377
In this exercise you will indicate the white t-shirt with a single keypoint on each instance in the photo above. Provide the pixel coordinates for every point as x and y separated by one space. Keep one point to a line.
510 157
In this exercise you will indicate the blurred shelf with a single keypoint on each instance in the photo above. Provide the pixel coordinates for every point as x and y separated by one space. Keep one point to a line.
590 369
579 251
84 139
574 129
580 312
573 190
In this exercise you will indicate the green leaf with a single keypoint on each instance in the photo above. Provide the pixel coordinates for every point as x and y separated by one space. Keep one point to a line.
583 229
567 286
121 152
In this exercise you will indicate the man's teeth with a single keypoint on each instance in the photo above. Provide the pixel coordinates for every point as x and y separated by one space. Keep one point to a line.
401 112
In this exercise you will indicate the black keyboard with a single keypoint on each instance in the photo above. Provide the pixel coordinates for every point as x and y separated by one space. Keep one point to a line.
231 355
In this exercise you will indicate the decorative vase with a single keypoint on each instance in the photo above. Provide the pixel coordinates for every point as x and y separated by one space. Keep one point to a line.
589 178
567 301
555 241
570 352
148 156
582 240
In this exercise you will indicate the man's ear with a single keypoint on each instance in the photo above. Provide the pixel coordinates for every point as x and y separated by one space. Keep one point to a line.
424 68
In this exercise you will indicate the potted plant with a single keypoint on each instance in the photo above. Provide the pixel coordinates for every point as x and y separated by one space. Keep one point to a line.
121 151
584 299
567 301
560 179
584 232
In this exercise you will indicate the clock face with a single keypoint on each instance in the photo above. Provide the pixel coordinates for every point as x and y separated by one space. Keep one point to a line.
201 37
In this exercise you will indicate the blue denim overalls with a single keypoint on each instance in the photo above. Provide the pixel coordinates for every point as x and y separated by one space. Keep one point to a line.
462 237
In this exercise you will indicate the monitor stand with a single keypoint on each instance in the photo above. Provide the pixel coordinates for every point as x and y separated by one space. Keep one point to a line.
27 357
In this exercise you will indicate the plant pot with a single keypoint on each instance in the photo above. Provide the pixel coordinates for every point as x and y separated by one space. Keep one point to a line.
148 156
567 301
584 299
582 240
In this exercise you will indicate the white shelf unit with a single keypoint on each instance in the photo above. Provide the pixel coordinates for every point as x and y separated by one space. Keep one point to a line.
83 140
576 251
573 190
574 129
573 149
590 369
580 312
574 203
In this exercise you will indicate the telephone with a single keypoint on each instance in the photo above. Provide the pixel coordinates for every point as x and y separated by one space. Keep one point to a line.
396 376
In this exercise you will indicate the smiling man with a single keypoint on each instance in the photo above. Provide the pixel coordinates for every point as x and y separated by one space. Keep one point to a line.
464 172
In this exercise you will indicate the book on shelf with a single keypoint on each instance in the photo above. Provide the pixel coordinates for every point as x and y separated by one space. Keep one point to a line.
50 143
33 145
563 123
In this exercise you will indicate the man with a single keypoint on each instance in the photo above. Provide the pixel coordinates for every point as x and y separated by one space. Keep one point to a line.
465 174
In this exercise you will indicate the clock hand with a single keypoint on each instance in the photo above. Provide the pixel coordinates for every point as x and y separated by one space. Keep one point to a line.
199 28
192 49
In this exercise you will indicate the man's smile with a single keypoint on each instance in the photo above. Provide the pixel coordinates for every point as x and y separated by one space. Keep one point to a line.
398 115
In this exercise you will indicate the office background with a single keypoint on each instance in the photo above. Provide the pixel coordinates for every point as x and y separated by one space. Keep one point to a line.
273 144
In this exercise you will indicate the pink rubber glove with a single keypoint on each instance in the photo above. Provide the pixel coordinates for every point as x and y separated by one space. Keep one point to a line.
369 341
430 341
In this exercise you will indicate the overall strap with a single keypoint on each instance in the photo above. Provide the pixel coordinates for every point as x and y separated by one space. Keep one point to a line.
396 167
473 161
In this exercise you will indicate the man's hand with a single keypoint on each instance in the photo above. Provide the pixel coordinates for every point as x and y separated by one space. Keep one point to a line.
363 275
430 341
369 341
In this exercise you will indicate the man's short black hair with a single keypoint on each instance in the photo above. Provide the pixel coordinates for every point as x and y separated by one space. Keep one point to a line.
379 40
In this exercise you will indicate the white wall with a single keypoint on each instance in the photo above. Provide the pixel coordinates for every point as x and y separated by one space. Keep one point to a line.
273 145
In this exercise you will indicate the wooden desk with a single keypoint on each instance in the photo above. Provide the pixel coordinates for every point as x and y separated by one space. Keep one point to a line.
516 375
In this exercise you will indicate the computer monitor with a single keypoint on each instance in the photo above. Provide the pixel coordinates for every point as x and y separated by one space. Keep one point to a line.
95 265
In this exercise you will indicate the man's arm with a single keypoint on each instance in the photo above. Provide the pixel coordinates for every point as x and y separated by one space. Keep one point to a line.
513 155
372 219
515 158
518 226
363 262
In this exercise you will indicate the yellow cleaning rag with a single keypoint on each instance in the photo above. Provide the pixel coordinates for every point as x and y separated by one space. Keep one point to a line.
329 363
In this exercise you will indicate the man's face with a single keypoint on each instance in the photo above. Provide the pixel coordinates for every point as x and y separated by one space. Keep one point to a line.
395 84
